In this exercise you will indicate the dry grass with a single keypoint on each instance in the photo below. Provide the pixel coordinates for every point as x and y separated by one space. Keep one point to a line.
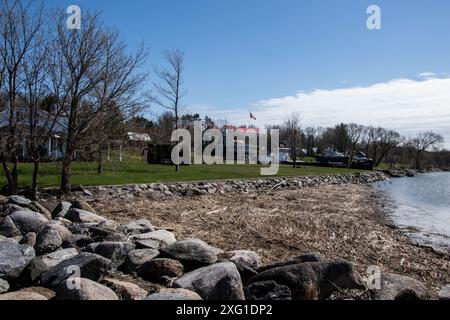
337 221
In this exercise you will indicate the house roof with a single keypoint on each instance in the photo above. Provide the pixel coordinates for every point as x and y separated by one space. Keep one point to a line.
142 137
60 125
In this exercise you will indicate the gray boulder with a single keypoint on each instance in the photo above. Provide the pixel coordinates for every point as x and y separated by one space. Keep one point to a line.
250 258
163 237
48 240
8 228
81 289
267 291
86 265
41 209
147 244
14 258
137 227
22 296
125 290
11 208
82 216
4 286
398 287
444 294
115 251
309 257
219 281
19 201
61 210
28 221
137 258
82 205
157 270
174 295
44 263
313 280
192 253
29 239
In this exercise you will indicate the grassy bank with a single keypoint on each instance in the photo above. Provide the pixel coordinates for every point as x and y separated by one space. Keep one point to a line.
133 170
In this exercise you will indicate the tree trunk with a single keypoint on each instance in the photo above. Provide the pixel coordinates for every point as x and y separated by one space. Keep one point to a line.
100 162
35 179
9 177
65 176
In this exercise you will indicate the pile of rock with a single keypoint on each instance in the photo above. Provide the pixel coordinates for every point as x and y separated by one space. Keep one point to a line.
158 191
72 253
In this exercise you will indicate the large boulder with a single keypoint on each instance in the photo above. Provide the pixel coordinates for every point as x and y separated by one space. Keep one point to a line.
192 253
41 209
14 258
147 244
163 237
8 228
4 286
61 210
266 291
85 265
11 208
137 227
174 295
125 290
44 263
28 221
157 270
82 205
22 296
219 281
19 201
398 287
48 240
137 258
444 294
313 280
82 216
249 258
114 251
309 257
81 289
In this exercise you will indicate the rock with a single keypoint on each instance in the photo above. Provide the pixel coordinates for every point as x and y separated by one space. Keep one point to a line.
137 258
8 228
114 251
42 210
398 287
47 293
44 263
3 199
19 201
219 281
163 237
48 240
22 296
147 244
81 289
250 258
77 241
137 227
82 216
4 286
309 257
11 208
192 253
89 265
100 234
154 270
82 205
28 221
444 294
29 239
61 210
267 291
313 280
126 290
174 295
14 258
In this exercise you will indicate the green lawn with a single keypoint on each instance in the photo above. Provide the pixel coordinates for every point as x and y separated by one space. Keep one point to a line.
133 170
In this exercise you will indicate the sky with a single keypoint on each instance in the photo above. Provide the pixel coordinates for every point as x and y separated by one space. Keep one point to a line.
315 57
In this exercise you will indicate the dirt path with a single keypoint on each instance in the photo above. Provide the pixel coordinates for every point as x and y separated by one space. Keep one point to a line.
337 221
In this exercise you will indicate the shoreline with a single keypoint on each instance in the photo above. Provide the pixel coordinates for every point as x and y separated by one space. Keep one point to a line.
338 221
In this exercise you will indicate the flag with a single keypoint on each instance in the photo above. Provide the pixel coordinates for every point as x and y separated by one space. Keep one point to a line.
252 116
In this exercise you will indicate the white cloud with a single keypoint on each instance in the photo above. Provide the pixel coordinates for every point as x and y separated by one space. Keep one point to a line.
409 106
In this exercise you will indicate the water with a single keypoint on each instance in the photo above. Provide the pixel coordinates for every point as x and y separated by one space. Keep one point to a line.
421 205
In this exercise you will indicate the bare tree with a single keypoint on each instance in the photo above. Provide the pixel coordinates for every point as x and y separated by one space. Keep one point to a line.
20 24
424 141
355 133
169 90
292 129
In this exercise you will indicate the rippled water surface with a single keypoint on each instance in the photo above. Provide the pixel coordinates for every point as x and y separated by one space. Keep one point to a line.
421 203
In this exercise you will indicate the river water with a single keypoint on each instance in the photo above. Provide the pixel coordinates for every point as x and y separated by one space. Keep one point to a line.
420 205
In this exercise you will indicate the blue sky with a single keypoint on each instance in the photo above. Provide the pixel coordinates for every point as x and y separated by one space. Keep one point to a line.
244 55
